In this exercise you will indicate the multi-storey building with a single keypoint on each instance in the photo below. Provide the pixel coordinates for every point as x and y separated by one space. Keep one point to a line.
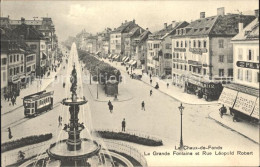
91 44
140 43
202 53
37 43
103 42
117 38
159 54
242 95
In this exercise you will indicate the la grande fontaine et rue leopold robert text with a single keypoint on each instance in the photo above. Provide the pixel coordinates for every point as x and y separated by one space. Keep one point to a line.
209 150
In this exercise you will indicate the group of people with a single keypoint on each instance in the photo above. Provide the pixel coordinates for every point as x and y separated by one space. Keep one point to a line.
12 97
223 110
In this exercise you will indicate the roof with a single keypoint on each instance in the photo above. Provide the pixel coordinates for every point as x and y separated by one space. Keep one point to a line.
161 34
28 32
125 27
28 22
226 25
250 32
133 32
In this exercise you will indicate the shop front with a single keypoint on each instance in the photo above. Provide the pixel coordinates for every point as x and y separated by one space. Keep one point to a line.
203 89
241 100
14 85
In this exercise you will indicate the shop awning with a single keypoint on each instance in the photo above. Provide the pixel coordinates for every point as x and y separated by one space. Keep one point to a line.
228 97
133 63
117 57
245 103
97 52
130 62
110 56
114 56
126 59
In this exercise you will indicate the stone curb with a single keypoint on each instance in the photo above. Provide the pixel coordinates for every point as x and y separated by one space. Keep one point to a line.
228 127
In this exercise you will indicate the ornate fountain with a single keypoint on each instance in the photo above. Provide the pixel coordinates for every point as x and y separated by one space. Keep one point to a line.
74 151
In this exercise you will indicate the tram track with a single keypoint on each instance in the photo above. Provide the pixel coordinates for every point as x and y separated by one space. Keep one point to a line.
24 119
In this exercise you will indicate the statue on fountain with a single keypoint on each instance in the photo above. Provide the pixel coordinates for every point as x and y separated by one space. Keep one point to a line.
73 81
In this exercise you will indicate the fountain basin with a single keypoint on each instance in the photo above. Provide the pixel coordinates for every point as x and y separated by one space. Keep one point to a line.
59 150
77 101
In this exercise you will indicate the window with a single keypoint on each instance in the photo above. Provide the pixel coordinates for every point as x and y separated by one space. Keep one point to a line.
17 58
248 75
181 44
205 44
3 61
177 66
21 57
11 59
14 58
221 59
240 54
185 44
17 70
194 69
230 58
177 55
173 65
156 46
230 72
204 71
257 54
189 43
199 70
190 68
250 54
28 69
173 55
21 68
4 76
240 74
199 44
185 57
34 67
221 43
181 67
194 44
177 44
221 72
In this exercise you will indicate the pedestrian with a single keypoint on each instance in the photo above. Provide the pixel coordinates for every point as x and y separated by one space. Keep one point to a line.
156 86
235 119
150 76
63 84
10 133
151 81
13 100
167 85
123 125
143 106
222 110
151 92
111 108
5 96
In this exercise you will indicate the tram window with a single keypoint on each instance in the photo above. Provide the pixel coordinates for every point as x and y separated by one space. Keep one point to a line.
33 105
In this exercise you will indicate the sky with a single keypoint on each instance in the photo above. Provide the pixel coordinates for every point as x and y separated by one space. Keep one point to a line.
70 17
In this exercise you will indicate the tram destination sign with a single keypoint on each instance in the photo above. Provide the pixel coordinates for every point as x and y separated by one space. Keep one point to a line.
250 65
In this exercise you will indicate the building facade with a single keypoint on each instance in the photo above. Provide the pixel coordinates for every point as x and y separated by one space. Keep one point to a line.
242 96
203 53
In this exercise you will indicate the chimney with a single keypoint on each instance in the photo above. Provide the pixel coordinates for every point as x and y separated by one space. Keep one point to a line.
202 15
165 25
174 23
147 29
125 21
257 13
122 23
240 27
134 21
221 11
22 20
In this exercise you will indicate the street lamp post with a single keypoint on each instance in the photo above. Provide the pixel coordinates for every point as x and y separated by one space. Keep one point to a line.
181 108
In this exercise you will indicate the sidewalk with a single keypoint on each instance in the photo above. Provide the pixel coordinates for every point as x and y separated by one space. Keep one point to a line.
30 89
173 91
243 128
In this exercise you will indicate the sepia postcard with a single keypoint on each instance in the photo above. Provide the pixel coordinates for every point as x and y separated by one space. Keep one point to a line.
129 83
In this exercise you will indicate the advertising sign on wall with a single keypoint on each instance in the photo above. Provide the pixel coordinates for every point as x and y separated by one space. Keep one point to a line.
245 103
228 97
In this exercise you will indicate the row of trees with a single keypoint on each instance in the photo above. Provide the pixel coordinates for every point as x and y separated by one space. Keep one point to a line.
98 68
